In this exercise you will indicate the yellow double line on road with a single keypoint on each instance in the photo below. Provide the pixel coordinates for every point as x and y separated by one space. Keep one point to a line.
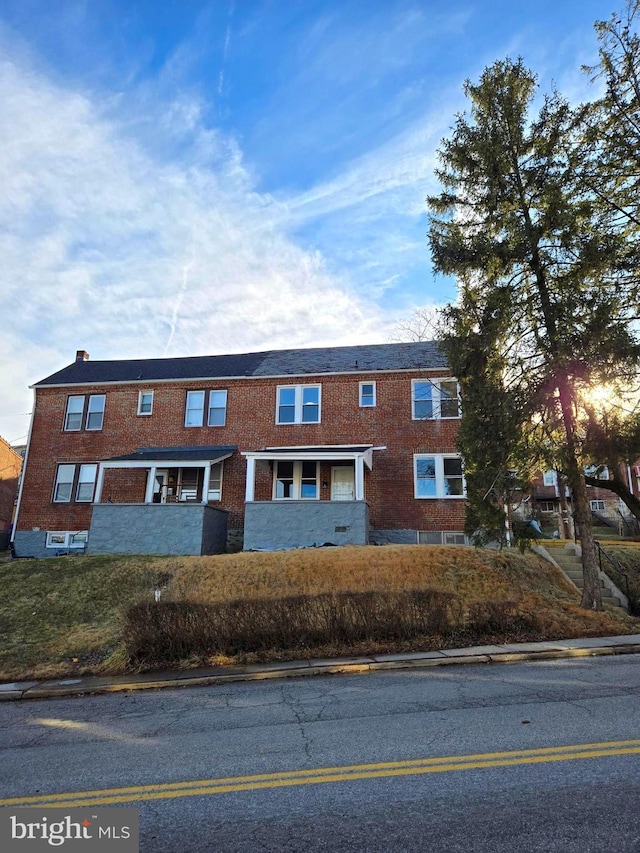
320 775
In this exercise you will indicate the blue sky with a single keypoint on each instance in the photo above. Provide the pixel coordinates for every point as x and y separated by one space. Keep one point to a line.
183 177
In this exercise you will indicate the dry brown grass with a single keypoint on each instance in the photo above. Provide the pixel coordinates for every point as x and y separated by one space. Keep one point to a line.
66 616
470 572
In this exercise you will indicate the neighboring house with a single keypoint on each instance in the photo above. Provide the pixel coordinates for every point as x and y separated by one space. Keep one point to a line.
10 465
340 445
606 507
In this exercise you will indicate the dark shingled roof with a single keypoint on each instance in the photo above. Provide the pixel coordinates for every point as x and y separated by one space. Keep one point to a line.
291 362
172 454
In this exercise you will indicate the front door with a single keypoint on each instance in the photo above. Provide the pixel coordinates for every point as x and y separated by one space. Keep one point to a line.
160 487
342 483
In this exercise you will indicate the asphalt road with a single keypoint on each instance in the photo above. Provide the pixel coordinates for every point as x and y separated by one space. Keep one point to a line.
541 756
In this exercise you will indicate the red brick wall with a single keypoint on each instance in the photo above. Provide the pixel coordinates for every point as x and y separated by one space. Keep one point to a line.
250 424
10 464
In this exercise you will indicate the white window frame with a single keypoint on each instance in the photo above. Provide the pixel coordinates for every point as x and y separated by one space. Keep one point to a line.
68 413
372 396
191 408
297 480
83 479
141 396
58 482
298 404
597 505
215 492
439 479
548 506
211 407
549 478
590 471
435 386
68 539
95 400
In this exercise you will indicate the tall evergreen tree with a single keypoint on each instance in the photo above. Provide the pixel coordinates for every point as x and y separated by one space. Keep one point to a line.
539 317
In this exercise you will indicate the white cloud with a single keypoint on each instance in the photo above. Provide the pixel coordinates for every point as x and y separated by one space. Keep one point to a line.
97 233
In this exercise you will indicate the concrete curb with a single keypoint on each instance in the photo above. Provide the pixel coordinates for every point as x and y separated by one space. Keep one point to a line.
508 653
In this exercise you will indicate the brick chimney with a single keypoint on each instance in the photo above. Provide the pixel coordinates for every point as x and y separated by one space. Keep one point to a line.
82 355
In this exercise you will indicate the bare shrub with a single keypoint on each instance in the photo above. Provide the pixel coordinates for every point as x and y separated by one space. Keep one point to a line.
173 630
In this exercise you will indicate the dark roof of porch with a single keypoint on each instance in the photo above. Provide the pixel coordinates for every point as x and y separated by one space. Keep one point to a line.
206 453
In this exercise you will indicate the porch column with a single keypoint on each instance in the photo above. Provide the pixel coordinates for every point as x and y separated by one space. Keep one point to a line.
99 484
251 479
205 483
359 478
151 481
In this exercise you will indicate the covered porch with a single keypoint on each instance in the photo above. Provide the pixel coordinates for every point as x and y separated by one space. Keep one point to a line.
163 502
172 474
305 496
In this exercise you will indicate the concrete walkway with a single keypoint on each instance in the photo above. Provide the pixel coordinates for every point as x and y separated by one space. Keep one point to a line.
507 653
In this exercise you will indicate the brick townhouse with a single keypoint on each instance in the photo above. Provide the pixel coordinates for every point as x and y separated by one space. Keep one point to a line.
341 445
10 465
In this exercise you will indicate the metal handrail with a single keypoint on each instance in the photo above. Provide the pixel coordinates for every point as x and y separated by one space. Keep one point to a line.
616 565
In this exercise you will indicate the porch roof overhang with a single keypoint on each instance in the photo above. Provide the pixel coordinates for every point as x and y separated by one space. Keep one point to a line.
359 454
326 452
174 457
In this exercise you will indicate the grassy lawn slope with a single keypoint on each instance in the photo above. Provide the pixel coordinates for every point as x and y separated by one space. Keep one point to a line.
81 615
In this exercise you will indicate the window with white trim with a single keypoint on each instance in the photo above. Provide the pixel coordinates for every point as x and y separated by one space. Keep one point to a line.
145 403
63 487
194 409
215 482
295 480
298 404
547 506
599 472
217 408
435 399
67 538
438 475
367 394
73 413
549 478
86 483
597 506
95 412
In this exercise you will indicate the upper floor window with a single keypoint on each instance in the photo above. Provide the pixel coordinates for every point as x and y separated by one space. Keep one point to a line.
598 472
95 411
217 408
145 402
298 404
438 476
549 478
194 412
435 398
367 394
74 412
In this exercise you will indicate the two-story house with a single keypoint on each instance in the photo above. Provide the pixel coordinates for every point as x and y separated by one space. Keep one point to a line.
10 465
292 448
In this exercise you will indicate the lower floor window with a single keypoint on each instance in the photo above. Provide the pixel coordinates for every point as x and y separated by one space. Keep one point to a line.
441 537
438 476
295 480
84 478
67 538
